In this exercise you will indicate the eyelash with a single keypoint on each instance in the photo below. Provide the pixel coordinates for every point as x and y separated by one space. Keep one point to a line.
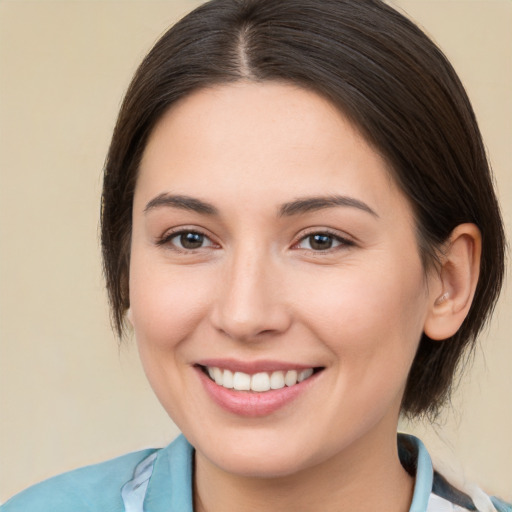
168 237
334 237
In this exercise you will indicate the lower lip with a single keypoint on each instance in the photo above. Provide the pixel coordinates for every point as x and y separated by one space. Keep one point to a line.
250 403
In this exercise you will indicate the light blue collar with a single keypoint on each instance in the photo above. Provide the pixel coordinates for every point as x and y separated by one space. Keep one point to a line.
162 482
412 448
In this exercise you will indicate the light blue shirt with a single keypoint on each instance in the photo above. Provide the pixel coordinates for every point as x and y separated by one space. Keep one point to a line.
161 481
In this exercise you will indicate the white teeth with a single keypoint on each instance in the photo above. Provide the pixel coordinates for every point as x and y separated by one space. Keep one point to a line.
227 380
277 380
241 381
259 382
291 378
218 376
304 374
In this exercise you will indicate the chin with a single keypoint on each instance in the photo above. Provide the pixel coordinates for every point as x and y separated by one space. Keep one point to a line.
258 458
256 465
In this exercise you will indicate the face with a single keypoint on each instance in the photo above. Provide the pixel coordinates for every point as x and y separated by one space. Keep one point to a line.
272 249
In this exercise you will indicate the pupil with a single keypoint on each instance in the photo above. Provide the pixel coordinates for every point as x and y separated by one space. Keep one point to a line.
191 240
320 242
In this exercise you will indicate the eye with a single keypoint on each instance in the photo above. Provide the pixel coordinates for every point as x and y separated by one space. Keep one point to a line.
322 242
187 240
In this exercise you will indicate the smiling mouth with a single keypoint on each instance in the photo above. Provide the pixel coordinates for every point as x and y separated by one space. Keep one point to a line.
258 382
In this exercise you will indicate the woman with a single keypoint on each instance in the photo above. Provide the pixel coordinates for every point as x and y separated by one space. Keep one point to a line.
300 225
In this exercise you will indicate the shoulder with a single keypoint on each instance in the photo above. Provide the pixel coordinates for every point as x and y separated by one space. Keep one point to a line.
500 505
435 493
91 488
471 498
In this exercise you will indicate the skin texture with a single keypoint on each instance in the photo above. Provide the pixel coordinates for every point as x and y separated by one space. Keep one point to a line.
257 290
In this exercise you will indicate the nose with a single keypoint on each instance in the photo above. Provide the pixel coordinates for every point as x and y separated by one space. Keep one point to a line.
251 302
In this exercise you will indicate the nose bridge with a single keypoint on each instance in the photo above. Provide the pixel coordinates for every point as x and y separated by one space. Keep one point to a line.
250 302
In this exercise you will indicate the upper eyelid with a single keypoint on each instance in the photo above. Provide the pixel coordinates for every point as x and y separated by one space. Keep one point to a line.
173 232
344 237
345 243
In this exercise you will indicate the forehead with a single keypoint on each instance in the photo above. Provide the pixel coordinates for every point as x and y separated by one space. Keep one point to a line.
261 139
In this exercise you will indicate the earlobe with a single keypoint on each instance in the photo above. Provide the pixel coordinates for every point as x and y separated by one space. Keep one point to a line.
456 282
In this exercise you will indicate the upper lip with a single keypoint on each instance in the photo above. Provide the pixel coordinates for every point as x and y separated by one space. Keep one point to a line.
252 367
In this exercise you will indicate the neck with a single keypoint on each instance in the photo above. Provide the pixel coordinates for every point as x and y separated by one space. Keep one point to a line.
366 476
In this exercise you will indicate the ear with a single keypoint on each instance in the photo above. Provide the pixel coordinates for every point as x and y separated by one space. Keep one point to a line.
453 288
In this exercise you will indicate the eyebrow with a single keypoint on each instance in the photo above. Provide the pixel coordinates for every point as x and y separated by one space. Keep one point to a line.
296 207
181 202
309 204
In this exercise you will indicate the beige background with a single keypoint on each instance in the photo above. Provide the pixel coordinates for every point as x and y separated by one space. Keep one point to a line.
68 396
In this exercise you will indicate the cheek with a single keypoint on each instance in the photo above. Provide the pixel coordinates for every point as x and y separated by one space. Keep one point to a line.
372 323
166 303
368 312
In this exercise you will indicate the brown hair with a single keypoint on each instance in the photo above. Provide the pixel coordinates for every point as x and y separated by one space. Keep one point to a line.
382 72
